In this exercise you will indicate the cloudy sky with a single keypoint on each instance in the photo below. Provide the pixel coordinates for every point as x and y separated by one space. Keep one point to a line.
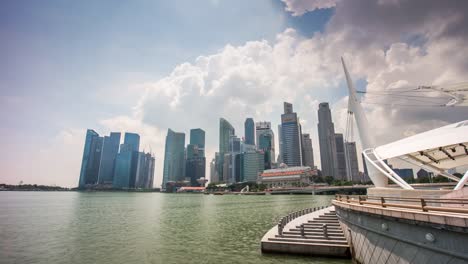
146 66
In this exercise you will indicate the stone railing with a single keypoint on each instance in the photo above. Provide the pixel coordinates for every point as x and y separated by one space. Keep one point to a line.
291 216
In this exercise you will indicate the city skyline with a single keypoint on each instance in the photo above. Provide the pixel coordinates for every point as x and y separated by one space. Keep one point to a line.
66 69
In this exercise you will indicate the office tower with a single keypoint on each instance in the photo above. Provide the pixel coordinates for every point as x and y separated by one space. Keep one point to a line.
327 142
226 130
174 158
91 159
110 149
340 173
125 167
249 131
214 172
132 140
145 171
252 165
197 137
266 142
307 151
280 141
291 137
352 167
195 163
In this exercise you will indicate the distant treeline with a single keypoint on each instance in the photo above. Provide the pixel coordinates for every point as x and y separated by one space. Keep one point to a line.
31 187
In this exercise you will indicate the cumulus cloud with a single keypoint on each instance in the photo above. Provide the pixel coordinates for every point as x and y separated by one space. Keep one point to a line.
385 43
300 7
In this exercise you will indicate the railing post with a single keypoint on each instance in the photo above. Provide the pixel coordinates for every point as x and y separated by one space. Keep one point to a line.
360 199
423 205
382 201
302 230
280 229
347 198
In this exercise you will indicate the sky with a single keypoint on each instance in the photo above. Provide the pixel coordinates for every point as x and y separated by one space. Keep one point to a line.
145 66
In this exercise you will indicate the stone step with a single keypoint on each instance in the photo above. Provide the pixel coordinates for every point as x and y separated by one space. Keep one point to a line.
326 218
313 237
309 232
329 226
313 223
324 221
307 241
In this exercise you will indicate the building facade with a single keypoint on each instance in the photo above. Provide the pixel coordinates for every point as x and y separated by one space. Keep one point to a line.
174 157
291 137
249 132
226 130
340 172
327 141
110 149
352 167
307 151
91 160
287 177
195 161
266 142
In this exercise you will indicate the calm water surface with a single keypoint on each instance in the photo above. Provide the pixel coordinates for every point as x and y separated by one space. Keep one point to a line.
73 227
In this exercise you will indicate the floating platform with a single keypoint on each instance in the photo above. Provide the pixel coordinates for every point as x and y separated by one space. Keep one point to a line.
317 233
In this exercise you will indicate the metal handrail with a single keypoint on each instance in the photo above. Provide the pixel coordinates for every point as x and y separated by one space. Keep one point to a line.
420 203
291 216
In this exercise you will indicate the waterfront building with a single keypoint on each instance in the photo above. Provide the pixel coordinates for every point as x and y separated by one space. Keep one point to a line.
266 142
307 151
291 137
252 165
145 171
249 132
340 172
125 167
327 141
226 130
174 161
91 160
110 149
195 161
287 177
132 140
352 167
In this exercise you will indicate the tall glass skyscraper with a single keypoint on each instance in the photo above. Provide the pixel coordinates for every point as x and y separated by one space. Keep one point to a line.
197 137
196 161
174 157
132 140
291 137
266 142
340 173
327 141
249 132
307 151
91 159
110 149
226 130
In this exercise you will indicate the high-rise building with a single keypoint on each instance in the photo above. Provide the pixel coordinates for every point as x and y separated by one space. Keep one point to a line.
195 162
91 160
252 165
126 165
291 137
249 127
110 149
213 175
145 171
280 141
307 151
226 130
197 137
266 142
132 140
352 159
174 157
340 173
327 142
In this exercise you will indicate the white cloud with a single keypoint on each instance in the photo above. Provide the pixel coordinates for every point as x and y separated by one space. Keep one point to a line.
300 7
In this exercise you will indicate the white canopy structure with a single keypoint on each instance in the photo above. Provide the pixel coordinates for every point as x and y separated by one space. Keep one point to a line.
436 150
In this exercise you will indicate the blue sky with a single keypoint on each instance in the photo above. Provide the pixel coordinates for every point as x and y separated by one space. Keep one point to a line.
71 63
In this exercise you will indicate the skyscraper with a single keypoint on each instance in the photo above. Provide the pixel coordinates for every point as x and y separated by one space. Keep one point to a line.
266 142
174 161
132 140
291 137
91 160
249 127
110 149
195 162
125 167
327 142
145 171
307 151
252 165
226 130
352 159
340 173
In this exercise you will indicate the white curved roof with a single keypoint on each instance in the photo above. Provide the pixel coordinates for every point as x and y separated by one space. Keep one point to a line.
444 147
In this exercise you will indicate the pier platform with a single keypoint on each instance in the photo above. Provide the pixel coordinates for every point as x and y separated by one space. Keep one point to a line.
307 232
